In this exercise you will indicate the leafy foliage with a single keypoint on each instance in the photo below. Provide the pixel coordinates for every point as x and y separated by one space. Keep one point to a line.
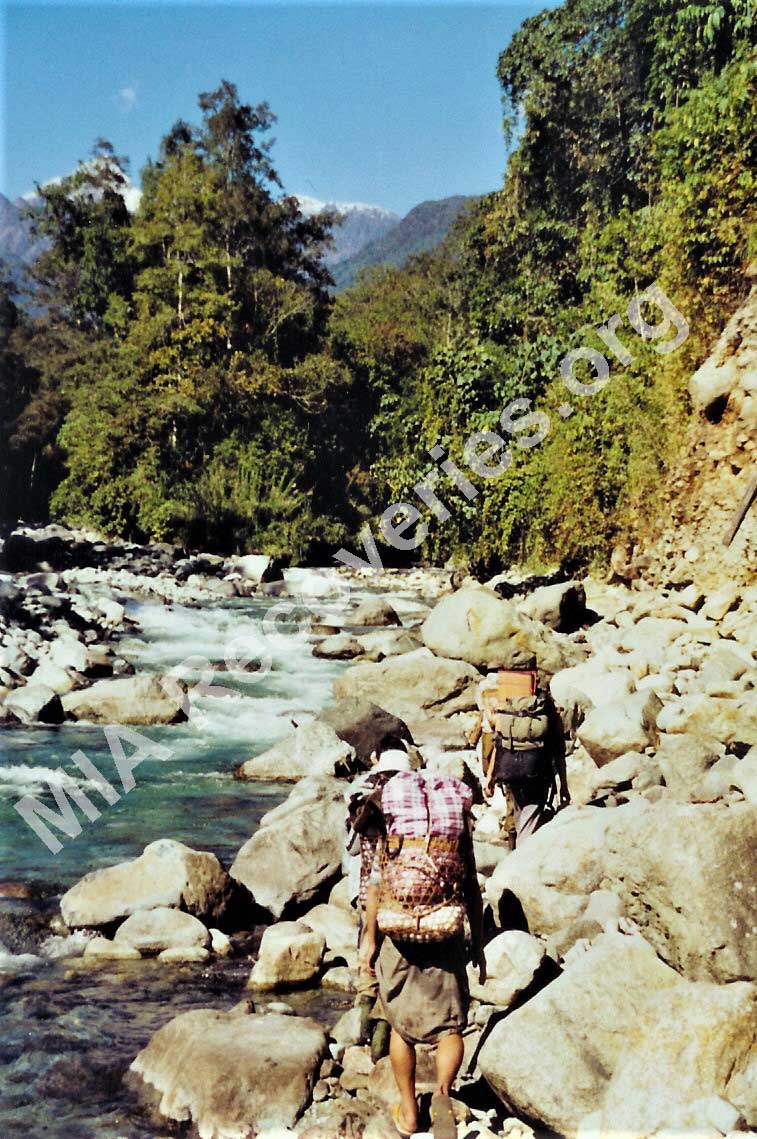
204 387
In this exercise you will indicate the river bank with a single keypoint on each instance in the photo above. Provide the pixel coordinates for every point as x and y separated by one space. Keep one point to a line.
634 904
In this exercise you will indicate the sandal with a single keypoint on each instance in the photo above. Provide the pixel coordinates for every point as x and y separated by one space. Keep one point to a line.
443 1125
400 1129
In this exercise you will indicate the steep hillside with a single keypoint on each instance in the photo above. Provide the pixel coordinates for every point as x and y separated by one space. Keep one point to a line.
422 229
720 464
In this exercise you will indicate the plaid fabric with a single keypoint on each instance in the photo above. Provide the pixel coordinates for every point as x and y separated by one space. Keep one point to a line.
415 805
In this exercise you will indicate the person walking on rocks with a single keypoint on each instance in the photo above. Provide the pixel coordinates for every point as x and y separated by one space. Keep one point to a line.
365 827
522 748
422 887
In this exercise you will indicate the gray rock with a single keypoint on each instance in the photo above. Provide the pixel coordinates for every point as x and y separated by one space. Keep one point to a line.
624 725
68 652
341 646
35 704
296 853
551 1060
562 607
412 685
684 760
384 643
230 1073
731 721
618 774
128 700
513 959
362 724
59 680
666 863
654 1077
311 749
290 955
476 625
590 685
258 568
167 873
373 611
162 928
338 927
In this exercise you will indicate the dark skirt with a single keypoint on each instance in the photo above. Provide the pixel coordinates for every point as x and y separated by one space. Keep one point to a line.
423 988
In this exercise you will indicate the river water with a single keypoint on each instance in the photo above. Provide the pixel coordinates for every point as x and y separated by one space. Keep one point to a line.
69 1031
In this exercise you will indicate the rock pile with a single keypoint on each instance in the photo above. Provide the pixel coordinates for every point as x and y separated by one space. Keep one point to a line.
620 994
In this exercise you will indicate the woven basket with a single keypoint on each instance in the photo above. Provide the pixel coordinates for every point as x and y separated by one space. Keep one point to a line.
421 889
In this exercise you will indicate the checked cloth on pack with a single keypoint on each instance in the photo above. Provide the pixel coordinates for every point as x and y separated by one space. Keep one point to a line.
422 868
415 805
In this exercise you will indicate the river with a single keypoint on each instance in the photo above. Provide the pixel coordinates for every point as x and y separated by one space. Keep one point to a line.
69 1031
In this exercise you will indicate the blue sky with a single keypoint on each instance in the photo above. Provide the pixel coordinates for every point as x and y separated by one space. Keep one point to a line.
389 104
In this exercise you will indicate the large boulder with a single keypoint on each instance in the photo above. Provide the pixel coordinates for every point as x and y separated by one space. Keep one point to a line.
562 606
258 568
373 611
290 955
551 1060
628 724
52 676
311 749
69 652
35 704
383 643
476 625
656 1077
682 871
338 926
619 1045
412 685
589 685
552 874
162 928
513 959
167 873
296 853
684 761
732 721
231 1074
362 724
129 700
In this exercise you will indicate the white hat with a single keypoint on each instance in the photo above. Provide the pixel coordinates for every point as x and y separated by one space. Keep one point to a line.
394 760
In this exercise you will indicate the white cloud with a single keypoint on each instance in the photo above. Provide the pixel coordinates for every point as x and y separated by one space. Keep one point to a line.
127 97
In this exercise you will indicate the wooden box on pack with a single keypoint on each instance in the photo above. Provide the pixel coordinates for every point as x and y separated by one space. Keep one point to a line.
506 685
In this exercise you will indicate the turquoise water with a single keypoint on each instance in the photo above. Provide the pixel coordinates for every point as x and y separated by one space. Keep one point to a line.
69 1032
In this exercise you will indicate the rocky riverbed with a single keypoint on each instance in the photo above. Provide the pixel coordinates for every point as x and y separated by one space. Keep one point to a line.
214 947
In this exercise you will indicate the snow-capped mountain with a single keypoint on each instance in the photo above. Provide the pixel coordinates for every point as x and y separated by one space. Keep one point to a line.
361 224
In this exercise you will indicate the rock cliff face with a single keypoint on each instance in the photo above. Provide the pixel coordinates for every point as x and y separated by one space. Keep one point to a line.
720 464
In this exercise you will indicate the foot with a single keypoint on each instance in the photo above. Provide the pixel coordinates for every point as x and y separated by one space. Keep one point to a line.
443 1123
405 1125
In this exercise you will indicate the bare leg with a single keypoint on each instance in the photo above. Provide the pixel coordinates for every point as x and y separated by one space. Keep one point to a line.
402 1056
449 1057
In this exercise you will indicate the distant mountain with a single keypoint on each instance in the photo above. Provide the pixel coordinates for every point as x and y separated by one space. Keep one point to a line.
361 224
421 230
18 245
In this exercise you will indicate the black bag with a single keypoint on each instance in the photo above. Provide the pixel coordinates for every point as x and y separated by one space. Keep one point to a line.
511 766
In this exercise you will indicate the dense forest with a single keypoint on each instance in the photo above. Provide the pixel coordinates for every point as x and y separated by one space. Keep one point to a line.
190 377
